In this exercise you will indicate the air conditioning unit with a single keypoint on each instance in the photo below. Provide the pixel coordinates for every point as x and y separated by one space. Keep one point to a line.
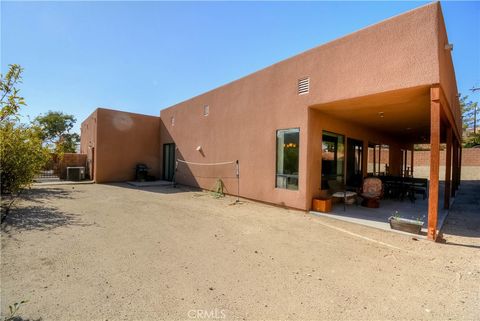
75 173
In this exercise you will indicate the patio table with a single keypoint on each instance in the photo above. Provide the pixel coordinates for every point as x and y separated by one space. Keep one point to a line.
345 195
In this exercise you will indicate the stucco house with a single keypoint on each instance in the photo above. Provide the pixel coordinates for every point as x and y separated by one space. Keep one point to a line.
299 123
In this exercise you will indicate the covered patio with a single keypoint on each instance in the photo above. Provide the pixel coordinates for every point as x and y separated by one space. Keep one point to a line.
375 136
378 217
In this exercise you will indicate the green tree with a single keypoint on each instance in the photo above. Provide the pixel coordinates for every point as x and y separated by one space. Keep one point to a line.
22 157
469 111
55 127
10 100
472 140
22 154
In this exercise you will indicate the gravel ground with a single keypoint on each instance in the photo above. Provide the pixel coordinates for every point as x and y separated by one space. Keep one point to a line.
112 252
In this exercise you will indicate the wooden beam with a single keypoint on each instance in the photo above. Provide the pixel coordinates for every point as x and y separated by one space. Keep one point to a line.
434 169
437 93
448 169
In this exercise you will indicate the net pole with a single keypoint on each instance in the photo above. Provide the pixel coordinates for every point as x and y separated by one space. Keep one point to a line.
237 170
174 179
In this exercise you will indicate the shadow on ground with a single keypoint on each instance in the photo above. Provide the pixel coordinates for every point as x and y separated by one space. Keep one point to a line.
38 218
31 212
464 217
42 194
22 319
167 189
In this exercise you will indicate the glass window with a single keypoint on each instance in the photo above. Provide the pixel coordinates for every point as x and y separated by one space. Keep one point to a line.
378 159
288 144
354 158
384 160
407 169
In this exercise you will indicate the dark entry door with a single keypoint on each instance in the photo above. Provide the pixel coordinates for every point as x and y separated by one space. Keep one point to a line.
168 161
354 162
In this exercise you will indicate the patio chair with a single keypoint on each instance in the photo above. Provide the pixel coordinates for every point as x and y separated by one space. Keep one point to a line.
372 192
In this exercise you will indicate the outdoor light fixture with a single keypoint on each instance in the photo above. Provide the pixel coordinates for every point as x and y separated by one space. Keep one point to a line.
449 46
200 150
381 114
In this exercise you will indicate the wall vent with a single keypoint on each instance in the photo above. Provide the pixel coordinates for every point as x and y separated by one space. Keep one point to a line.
206 110
172 120
303 86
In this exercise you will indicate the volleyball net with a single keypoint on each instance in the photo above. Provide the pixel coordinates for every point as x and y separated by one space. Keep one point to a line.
220 177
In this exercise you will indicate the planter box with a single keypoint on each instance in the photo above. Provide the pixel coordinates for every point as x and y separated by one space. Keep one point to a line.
405 225
322 205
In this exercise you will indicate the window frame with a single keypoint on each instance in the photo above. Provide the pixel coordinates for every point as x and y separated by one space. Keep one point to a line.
297 129
324 179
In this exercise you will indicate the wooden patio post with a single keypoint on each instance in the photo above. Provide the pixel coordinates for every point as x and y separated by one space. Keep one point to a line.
459 178
434 164
365 159
455 168
411 160
448 169
379 158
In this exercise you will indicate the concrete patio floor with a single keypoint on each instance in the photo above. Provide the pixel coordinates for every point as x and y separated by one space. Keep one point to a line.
378 217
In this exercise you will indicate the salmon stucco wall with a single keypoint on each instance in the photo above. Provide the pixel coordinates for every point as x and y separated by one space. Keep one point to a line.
447 78
244 115
397 53
122 140
241 125
88 141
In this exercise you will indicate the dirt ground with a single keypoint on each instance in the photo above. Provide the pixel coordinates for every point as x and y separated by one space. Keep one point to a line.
112 252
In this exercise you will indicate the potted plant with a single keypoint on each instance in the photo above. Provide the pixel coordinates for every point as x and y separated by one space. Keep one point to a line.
404 224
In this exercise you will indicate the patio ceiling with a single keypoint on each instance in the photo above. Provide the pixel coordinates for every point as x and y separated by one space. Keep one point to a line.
402 113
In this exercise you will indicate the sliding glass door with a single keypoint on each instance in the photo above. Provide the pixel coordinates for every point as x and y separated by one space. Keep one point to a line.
354 162
333 158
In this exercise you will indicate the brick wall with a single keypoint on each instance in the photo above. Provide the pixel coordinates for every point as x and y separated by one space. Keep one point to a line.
470 163
384 156
71 160
470 157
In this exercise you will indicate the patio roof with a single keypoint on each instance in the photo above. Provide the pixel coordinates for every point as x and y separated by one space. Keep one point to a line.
403 114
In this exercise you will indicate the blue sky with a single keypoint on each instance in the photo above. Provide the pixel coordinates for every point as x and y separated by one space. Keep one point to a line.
145 56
